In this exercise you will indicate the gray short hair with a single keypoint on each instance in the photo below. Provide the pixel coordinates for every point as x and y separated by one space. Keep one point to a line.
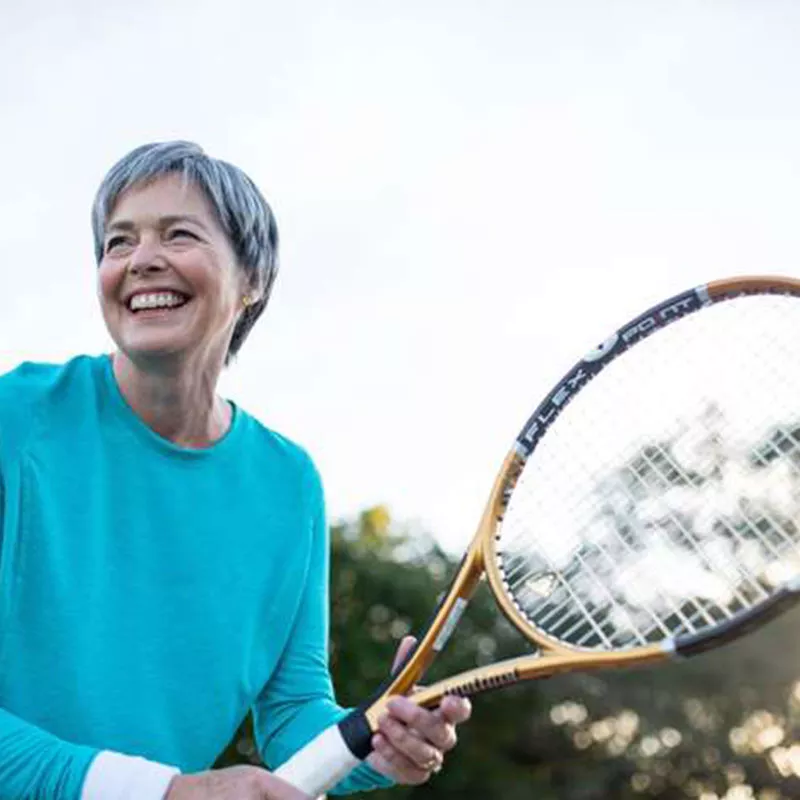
243 212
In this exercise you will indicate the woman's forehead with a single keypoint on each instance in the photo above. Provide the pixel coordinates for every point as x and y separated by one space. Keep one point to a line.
168 195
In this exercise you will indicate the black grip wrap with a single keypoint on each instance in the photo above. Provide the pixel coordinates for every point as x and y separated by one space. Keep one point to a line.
744 622
356 733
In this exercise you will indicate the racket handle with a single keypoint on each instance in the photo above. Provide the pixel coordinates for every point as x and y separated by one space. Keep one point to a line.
329 757
744 622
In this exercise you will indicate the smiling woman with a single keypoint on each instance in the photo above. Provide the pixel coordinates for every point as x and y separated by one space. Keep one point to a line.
163 555
170 287
155 260
171 195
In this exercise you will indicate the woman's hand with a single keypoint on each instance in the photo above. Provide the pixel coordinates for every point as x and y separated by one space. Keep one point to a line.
408 748
234 783
411 741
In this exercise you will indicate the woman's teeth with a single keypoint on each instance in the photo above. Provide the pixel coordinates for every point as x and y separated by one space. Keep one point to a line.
156 300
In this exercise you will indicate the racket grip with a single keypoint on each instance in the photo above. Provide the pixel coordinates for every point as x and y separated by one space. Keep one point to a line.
329 757
744 622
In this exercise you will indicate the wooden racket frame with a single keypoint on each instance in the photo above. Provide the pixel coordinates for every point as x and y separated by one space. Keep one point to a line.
480 560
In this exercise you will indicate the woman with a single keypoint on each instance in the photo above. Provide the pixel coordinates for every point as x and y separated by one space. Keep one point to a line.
163 556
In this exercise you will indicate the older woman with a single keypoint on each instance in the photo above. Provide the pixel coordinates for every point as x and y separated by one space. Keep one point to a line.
163 555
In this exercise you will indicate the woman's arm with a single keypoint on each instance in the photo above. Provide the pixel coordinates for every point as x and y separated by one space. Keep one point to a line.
298 702
35 764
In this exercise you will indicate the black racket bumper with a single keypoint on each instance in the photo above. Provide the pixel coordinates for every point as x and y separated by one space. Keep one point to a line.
744 622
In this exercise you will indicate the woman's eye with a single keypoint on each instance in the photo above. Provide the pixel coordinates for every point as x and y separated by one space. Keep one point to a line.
180 233
113 242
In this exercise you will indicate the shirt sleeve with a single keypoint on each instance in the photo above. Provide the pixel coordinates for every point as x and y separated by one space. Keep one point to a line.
298 702
115 776
33 763
37 765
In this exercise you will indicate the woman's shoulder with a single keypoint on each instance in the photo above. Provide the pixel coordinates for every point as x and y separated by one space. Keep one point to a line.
31 387
279 449
31 381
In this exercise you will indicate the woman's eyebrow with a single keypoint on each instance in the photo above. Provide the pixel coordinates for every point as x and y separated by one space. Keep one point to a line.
163 222
120 225
172 219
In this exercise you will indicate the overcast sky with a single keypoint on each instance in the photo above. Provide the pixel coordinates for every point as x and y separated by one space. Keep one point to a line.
470 196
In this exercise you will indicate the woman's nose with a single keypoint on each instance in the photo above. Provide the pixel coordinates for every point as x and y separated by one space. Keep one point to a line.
148 256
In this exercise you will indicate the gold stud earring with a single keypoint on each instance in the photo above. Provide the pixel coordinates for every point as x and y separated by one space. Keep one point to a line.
246 301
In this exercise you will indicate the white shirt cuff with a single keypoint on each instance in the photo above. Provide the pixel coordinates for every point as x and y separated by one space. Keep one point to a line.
114 776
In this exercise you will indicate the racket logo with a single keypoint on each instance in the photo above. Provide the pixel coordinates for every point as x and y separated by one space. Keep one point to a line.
659 317
550 409
602 350
541 586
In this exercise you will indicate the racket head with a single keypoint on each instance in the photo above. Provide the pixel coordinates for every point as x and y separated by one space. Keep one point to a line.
556 628
585 555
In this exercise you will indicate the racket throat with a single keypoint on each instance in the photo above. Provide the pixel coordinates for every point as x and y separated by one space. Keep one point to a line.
439 628
466 685
525 668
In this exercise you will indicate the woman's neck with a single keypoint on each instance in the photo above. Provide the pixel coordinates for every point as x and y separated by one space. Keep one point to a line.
177 402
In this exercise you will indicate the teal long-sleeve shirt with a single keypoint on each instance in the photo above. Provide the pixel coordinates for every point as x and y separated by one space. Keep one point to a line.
151 594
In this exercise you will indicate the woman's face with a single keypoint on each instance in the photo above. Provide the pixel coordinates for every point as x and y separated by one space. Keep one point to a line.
169 283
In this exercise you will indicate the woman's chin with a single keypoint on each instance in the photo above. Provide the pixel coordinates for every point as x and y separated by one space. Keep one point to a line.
153 346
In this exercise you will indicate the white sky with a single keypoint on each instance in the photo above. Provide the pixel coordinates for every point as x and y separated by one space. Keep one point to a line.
470 196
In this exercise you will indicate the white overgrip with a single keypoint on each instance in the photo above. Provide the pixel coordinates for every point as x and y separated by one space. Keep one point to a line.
320 765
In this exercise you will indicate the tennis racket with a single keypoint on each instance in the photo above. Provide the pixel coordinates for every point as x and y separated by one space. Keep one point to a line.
648 510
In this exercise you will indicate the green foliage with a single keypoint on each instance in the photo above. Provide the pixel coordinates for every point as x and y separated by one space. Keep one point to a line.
383 590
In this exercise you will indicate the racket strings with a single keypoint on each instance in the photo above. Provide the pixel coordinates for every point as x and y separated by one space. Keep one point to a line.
664 499
564 630
717 562
583 627
519 577
722 563
696 616
554 618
